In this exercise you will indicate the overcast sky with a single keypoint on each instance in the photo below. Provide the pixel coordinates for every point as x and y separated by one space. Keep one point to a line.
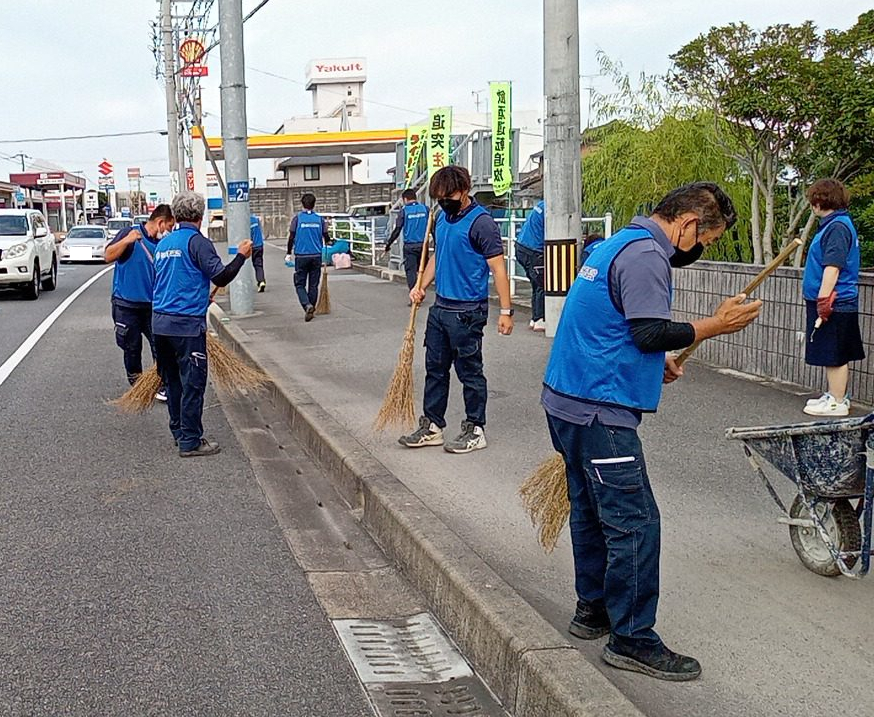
86 67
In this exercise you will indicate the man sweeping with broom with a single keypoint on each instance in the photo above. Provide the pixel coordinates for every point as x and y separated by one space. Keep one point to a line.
606 370
185 264
467 245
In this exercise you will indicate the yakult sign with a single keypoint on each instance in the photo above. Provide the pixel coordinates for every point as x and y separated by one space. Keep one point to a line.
347 69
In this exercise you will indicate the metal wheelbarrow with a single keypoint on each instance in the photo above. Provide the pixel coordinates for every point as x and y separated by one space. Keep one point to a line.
831 464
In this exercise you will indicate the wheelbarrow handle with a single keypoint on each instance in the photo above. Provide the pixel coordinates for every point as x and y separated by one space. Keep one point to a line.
769 269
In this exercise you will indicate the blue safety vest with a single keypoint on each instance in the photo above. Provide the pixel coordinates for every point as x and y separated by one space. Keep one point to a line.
594 357
531 235
134 278
847 287
415 223
462 273
255 233
308 237
181 288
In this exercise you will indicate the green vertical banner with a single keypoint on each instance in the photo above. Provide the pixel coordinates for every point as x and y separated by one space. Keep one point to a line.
502 128
416 135
439 131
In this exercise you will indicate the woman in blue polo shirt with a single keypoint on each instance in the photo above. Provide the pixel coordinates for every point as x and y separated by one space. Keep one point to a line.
831 293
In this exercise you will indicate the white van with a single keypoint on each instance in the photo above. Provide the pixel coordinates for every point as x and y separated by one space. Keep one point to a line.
28 253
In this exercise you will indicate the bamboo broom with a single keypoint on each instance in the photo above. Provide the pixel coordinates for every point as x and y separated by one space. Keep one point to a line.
397 406
323 304
544 493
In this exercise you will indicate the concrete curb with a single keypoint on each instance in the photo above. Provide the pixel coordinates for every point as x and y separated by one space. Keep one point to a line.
530 666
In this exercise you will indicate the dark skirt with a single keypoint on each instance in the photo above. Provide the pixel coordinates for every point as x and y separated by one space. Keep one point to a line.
837 342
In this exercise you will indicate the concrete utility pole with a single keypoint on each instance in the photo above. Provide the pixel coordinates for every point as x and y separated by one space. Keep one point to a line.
561 152
170 93
236 151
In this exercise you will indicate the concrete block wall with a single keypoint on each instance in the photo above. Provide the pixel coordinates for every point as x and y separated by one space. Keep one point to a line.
277 205
773 347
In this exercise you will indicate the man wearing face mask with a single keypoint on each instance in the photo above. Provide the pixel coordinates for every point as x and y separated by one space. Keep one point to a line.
606 369
467 246
133 284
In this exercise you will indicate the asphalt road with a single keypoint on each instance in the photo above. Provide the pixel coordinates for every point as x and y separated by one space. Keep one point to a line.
133 582
774 639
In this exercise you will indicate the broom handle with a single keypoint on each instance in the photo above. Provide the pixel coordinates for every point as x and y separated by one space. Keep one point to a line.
769 269
423 262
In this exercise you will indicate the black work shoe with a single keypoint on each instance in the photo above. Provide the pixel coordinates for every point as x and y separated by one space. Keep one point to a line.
204 449
657 661
589 623
310 312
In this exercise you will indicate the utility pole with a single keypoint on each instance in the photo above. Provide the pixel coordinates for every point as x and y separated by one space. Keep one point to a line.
170 93
22 156
236 151
561 152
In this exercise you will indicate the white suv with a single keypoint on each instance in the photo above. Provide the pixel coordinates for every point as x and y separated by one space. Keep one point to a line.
28 254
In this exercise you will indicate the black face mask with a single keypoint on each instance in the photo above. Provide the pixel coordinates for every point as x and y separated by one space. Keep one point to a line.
450 206
682 258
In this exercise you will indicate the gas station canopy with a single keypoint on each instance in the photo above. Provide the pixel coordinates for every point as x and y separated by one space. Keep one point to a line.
313 144
43 180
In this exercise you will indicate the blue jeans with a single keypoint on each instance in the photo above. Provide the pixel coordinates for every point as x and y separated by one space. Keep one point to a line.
182 364
130 327
412 257
615 526
532 263
455 338
307 273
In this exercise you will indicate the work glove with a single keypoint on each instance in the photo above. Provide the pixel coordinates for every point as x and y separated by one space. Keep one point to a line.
825 306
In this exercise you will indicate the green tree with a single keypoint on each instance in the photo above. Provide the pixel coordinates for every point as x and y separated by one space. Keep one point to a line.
789 104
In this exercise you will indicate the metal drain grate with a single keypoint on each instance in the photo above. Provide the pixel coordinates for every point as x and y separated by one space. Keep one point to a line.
464 697
412 649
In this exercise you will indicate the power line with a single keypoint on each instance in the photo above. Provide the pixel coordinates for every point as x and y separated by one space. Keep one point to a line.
82 136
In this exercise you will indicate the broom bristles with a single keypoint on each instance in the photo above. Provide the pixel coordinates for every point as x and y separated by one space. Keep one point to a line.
544 497
323 304
228 370
140 397
397 406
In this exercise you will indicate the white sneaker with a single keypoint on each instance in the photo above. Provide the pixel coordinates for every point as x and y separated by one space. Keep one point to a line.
428 434
531 324
539 325
161 396
472 438
820 399
830 408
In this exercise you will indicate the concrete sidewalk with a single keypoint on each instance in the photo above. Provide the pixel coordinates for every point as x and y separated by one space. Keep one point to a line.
734 594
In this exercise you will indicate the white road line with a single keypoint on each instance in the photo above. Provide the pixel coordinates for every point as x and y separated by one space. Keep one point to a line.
16 358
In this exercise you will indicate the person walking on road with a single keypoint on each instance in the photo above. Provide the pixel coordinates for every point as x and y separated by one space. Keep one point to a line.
185 264
257 237
307 235
606 369
413 222
133 286
467 245
529 253
831 295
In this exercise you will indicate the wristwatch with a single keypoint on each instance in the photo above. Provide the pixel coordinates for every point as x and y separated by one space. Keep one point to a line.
507 312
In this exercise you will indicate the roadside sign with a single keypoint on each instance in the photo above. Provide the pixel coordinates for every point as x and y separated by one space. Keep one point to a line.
238 191
19 196
133 173
192 52
125 211
189 179
211 180
50 178
91 199
105 168
153 197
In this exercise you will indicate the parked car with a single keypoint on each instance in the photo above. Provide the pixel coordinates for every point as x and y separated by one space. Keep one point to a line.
116 224
85 243
141 218
375 214
28 253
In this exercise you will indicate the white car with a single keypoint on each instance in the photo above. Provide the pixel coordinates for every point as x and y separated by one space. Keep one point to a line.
28 254
84 243
116 224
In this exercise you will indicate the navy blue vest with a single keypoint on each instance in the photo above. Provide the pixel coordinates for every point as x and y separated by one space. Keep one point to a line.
594 357
462 273
847 287
415 223
134 278
181 288
308 237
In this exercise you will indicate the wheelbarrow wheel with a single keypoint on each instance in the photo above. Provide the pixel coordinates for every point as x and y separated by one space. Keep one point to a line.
841 523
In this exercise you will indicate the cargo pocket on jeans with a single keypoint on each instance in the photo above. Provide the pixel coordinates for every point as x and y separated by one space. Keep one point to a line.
121 335
624 501
199 364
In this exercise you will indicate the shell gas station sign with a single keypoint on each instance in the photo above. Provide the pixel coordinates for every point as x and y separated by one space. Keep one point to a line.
192 52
